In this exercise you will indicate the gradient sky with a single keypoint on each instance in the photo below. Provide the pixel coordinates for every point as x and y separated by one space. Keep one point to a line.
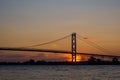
26 22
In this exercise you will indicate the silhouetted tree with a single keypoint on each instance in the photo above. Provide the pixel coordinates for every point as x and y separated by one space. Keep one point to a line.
115 60
98 61
31 61
92 60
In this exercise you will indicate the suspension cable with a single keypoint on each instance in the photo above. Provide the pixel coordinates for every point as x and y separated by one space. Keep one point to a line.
95 45
35 45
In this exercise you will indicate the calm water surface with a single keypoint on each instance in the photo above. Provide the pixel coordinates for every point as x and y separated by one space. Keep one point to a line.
60 72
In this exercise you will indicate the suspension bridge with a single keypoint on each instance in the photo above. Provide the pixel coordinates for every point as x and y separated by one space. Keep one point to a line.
73 51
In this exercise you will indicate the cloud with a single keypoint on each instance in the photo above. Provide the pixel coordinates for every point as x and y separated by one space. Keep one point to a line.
50 57
24 56
11 56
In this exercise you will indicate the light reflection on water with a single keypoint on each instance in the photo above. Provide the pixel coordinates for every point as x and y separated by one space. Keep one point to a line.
60 72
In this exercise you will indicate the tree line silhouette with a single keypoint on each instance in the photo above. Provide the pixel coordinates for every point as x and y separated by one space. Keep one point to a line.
91 61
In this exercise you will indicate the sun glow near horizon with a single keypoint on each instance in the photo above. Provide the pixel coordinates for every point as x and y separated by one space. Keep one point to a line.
69 57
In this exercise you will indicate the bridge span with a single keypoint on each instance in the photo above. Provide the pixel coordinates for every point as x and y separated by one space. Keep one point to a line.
55 51
73 51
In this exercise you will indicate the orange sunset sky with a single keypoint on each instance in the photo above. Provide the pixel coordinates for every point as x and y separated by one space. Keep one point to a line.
27 22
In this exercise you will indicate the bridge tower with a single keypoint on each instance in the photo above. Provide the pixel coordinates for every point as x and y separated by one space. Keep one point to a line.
73 47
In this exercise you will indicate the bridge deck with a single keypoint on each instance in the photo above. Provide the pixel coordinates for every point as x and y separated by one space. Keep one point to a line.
54 51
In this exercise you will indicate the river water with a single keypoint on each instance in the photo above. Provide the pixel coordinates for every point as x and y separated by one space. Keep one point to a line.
60 72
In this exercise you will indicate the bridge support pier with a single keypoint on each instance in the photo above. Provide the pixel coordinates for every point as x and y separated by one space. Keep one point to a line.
73 47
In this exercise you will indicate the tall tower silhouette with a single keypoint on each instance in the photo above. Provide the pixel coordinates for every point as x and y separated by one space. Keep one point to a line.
73 47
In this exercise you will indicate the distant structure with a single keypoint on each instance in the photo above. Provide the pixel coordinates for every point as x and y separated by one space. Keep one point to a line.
73 51
73 47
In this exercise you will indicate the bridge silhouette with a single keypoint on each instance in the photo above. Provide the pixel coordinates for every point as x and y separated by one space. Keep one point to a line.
73 51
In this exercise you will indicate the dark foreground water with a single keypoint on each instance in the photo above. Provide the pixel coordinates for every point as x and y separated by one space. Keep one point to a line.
60 72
